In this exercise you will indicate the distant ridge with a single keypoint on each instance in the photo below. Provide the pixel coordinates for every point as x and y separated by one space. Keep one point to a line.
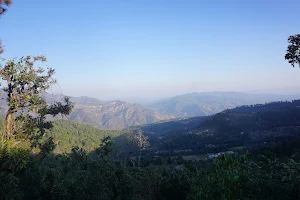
207 103
115 115
104 115
76 100
119 114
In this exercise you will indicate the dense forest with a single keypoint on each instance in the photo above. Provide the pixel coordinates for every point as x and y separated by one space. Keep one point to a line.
81 175
242 128
68 134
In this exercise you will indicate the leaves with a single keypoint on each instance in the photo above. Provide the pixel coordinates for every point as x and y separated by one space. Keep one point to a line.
24 85
293 50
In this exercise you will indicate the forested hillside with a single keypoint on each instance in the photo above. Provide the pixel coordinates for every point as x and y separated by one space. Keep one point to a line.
271 106
245 127
68 134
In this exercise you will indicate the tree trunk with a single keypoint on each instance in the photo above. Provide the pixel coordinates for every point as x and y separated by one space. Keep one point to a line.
140 159
133 164
9 124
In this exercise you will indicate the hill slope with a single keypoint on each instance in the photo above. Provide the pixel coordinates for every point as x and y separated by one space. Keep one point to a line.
105 115
207 103
69 134
115 115
242 127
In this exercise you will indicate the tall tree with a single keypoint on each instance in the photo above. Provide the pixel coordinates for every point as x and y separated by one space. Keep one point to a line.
4 4
293 50
27 110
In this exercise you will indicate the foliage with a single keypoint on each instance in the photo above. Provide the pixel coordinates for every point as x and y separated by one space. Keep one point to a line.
106 146
12 165
293 50
268 173
68 134
230 178
242 127
81 175
27 110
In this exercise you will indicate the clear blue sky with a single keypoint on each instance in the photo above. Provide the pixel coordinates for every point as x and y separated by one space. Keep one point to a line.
156 48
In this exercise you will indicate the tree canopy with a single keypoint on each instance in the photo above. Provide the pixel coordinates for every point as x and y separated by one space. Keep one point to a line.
293 50
27 109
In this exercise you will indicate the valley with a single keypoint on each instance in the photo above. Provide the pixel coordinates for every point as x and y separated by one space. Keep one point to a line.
239 129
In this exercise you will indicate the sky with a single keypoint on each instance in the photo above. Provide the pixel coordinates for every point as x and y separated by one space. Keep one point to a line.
151 49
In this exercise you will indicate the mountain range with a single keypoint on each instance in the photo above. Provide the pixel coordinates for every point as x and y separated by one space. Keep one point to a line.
115 115
208 103
119 115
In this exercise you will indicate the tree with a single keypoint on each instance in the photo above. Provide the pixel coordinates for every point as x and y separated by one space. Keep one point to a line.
142 142
293 50
27 110
106 146
4 4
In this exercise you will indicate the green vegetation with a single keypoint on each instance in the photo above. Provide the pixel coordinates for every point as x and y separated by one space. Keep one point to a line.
293 50
244 127
68 134
25 120
95 171
79 175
